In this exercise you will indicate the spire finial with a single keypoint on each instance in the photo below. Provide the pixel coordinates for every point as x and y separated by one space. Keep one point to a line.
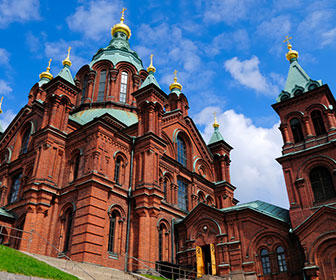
215 124
1 105
175 84
151 68
67 61
122 15
291 53
47 73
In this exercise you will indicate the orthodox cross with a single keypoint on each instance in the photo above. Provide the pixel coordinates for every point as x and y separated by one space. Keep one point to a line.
175 78
287 40
122 14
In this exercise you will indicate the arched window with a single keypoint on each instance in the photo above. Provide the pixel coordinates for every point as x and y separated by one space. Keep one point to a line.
181 151
265 261
281 259
16 182
112 231
296 130
25 141
318 122
74 167
182 195
84 89
68 227
161 238
322 183
102 82
117 170
123 87
201 196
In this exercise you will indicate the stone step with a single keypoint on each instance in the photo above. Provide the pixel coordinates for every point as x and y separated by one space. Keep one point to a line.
86 271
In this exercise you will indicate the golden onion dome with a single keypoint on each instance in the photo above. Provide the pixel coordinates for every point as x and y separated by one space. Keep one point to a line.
67 60
151 68
47 73
175 84
291 53
121 27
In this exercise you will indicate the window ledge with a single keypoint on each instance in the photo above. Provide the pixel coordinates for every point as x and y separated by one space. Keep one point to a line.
113 255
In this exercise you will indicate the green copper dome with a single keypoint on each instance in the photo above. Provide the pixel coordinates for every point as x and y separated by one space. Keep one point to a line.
118 50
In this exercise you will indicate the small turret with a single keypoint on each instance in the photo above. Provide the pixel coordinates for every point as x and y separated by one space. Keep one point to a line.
46 76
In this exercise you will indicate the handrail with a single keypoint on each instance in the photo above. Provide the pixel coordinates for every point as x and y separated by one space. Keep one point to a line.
46 241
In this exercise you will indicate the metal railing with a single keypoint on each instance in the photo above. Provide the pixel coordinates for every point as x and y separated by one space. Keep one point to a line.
31 234
164 270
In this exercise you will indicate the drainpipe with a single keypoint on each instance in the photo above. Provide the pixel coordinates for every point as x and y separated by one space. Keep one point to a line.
129 197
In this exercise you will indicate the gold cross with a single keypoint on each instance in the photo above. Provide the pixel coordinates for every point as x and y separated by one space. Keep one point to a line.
151 58
69 49
48 68
175 78
287 40
122 15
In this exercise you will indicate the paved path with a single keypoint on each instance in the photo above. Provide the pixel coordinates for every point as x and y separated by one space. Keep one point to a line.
11 276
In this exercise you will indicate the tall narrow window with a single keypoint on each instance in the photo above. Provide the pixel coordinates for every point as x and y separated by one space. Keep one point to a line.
182 195
84 89
318 122
296 130
68 226
117 171
25 141
265 261
13 196
76 166
281 259
113 218
165 188
322 183
161 232
181 151
102 82
123 87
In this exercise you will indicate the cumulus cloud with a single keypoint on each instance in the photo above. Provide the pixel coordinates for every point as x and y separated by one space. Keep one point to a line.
18 11
58 51
6 118
95 18
5 89
276 28
247 73
254 170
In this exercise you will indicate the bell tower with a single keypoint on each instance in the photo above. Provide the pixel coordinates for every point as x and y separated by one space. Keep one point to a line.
307 113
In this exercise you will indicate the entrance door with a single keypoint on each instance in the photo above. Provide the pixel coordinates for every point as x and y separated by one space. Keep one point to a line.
205 259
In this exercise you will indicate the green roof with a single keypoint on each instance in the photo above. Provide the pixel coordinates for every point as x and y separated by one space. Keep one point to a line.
150 80
118 50
297 81
216 137
5 213
83 117
66 74
262 207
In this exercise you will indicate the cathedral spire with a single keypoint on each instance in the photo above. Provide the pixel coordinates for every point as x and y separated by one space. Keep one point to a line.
150 78
46 76
65 72
121 27
298 80
216 136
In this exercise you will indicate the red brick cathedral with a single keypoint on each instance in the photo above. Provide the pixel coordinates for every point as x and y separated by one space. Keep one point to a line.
111 170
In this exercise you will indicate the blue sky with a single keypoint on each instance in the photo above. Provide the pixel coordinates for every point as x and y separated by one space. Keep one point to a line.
229 54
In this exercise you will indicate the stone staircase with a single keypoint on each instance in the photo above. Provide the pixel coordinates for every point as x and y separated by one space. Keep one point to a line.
86 271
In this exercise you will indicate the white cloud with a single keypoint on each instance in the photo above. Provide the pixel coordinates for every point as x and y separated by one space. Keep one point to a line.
276 28
247 73
328 37
58 51
6 118
5 89
18 11
228 11
4 56
254 170
95 18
